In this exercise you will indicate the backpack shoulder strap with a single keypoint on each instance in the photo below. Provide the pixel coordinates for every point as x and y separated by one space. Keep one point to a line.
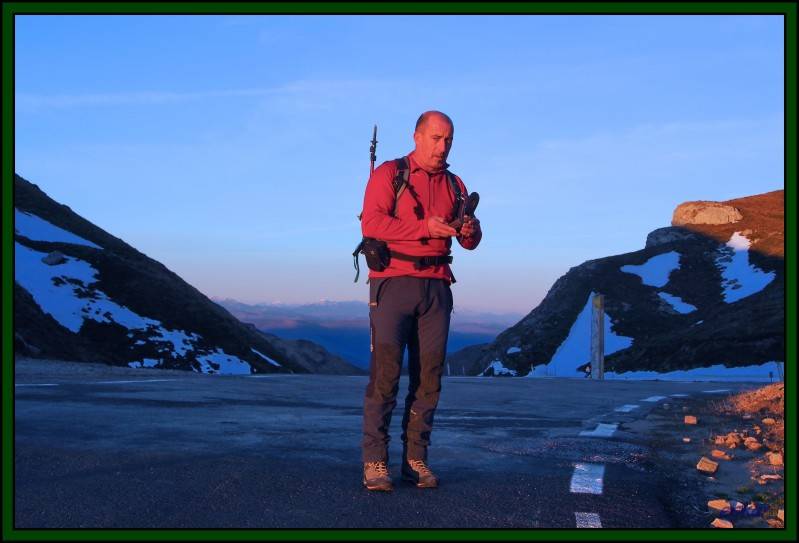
400 180
456 189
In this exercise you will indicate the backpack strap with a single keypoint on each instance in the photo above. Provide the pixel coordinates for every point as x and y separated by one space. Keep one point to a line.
456 189
400 181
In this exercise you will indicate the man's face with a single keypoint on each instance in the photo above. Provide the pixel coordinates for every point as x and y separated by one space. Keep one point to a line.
433 142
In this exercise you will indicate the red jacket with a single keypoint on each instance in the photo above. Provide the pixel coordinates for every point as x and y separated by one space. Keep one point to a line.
427 195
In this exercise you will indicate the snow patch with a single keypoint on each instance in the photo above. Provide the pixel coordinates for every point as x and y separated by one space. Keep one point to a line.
65 292
769 371
35 228
222 363
677 303
512 350
740 278
498 368
655 271
146 363
576 348
180 340
262 355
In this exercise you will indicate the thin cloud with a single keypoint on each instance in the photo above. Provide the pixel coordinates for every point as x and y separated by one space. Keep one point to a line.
31 103
34 102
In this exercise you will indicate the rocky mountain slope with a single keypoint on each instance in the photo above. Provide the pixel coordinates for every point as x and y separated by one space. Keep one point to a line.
82 294
706 293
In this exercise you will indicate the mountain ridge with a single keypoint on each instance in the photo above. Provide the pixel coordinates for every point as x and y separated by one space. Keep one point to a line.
119 306
665 334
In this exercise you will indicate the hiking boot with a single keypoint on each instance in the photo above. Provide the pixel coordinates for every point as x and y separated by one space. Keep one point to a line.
417 472
376 476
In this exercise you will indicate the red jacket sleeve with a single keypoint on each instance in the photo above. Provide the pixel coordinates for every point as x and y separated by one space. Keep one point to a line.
472 241
378 202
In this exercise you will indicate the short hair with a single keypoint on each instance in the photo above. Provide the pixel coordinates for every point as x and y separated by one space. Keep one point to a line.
422 120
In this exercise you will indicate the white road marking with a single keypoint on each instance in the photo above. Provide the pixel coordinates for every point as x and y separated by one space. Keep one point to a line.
587 478
716 391
626 408
654 399
587 520
92 383
602 430
133 381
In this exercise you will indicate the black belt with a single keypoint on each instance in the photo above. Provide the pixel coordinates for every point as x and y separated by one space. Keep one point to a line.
420 262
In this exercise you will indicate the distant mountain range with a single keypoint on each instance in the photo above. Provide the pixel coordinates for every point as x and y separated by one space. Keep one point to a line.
82 294
704 298
343 327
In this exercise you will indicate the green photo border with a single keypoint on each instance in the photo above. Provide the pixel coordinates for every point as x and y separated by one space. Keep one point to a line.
10 9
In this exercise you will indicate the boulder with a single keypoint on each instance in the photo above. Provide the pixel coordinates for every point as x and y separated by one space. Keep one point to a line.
707 466
703 212
721 523
715 453
732 440
765 478
752 444
718 506
54 258
775 459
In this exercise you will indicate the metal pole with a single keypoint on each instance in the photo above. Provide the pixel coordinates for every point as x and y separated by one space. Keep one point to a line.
598 337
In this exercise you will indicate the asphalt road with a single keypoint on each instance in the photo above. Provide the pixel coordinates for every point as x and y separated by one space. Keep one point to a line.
103 447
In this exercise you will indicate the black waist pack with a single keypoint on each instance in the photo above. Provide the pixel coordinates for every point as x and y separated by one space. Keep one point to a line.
376 253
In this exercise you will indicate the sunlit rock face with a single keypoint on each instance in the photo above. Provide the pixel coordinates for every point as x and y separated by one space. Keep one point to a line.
702 212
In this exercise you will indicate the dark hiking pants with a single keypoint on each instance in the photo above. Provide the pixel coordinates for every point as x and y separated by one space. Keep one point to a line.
413 312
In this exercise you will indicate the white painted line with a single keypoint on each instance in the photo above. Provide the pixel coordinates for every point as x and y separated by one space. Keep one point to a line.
587 520
716 391
587 478
92 383
680 395
602 430
654 399
626 408
125 382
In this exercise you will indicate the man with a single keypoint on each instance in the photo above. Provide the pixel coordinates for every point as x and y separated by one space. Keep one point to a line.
410 301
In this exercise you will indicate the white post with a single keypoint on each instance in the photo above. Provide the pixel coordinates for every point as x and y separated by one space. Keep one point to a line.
598 337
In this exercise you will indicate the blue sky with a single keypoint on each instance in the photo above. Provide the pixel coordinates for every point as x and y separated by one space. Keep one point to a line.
234 149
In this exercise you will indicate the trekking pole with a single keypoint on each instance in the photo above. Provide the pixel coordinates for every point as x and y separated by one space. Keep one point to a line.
372 157
372 151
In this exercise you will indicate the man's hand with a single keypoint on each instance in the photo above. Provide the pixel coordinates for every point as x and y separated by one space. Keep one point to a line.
439 229
471 226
